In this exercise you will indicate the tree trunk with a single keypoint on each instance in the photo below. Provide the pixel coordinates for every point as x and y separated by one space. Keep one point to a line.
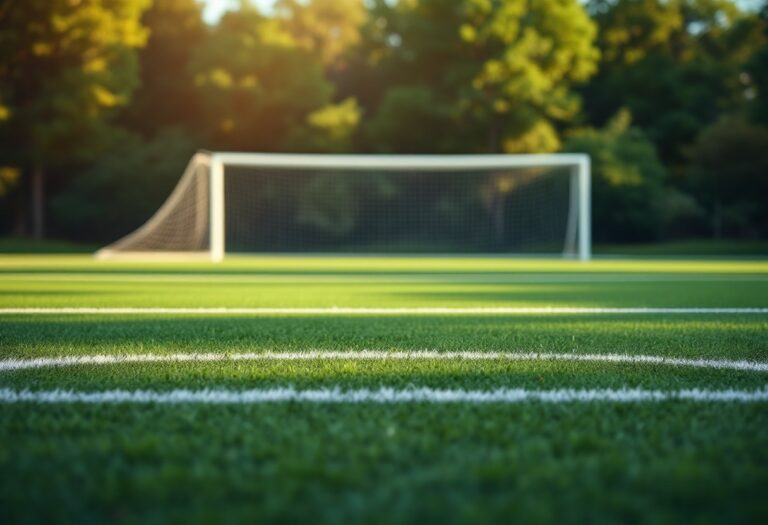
19 228
717 220
38 202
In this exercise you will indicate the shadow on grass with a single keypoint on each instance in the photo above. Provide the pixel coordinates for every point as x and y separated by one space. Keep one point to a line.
394 294
599 294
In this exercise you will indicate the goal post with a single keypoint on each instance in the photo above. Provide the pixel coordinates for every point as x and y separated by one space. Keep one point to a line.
265 202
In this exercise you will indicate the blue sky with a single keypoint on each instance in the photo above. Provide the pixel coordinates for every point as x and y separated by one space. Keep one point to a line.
214 8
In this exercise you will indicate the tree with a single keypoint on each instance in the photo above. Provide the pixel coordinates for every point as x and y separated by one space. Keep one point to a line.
504 69
122 188
675 64
64 69
630 30
325 28
627 181
256 83
414 120
729 175
166 96
329 129
758 71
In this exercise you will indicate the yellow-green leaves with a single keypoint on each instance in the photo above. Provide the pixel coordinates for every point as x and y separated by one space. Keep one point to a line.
329 128
9 176
336 117
532 52
68 64
468 33
325 28
260 87
541 137
105 97
220 77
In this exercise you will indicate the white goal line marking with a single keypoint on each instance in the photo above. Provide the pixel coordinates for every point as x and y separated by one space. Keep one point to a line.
379 396
335 310
12 364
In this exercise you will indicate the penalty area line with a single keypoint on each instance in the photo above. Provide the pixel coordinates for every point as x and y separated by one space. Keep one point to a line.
334 310
13 364
377 396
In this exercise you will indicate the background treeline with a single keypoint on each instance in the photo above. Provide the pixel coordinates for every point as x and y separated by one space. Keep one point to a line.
102 102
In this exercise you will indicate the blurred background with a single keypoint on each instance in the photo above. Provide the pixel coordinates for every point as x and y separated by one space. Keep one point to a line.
103 102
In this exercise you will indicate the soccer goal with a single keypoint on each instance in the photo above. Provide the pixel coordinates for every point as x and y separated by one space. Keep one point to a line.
228 203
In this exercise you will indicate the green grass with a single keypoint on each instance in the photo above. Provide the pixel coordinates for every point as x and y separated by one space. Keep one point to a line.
403 463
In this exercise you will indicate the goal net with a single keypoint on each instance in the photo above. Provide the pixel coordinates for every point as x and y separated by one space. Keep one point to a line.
471 204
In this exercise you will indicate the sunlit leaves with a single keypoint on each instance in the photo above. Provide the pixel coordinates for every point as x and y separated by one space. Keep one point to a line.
325 28
675 64
9 177
64 66
256 82
505 68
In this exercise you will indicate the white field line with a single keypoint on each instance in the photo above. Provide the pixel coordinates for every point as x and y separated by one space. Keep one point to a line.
9 365
379 396
337 310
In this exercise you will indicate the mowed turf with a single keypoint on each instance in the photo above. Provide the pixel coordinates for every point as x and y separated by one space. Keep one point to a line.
573 462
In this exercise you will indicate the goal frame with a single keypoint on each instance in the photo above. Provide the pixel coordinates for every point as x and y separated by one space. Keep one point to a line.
578 230
579 163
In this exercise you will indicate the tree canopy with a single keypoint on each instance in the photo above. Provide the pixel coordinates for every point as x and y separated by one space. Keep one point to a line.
65 68
676 65
498 75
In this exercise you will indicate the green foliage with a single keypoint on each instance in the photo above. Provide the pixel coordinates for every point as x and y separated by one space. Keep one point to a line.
166 95
530 54
630 30
730 176
758 70
504 70
627 181
329 129
675 65
64 68
325 28
137 174
256 84
427 117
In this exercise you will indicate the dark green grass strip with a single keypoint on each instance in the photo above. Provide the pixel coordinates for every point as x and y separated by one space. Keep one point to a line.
384 464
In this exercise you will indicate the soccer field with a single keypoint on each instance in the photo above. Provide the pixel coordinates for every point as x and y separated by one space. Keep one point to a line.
383 390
